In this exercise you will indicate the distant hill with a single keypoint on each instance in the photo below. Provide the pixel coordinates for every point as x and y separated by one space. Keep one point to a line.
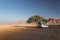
53 21
18 22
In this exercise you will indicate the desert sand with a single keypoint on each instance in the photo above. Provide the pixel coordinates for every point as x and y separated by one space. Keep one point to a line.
8 32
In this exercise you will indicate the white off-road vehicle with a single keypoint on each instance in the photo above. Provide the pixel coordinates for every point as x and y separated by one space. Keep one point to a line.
44 26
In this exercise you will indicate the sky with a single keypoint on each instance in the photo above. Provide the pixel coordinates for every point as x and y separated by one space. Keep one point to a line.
21 10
